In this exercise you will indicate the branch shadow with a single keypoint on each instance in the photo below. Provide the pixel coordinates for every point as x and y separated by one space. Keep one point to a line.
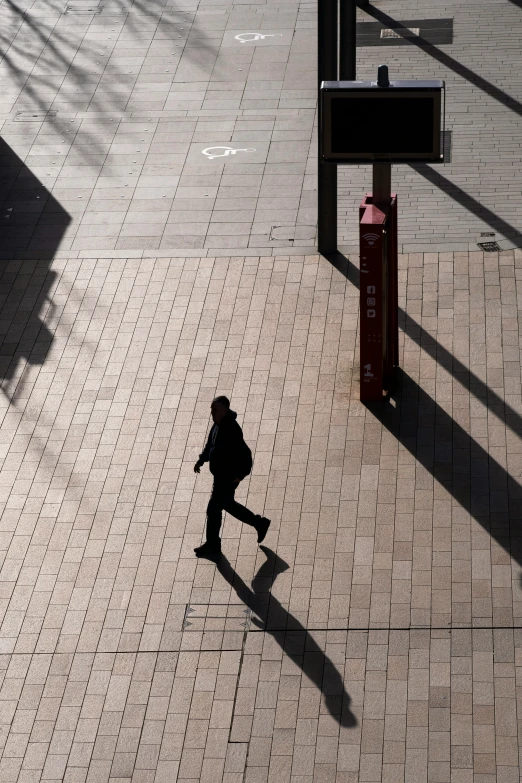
297 643
30 218
44 95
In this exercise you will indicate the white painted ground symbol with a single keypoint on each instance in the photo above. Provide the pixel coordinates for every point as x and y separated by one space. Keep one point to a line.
210 154
255 36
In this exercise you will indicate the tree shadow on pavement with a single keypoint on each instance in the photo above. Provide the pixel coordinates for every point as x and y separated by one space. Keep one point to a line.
32 225
272 618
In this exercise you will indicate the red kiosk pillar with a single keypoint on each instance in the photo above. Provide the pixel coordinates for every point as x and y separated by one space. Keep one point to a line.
382 123
379 351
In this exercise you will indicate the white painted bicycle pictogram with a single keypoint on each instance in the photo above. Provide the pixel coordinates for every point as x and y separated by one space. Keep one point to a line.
208 152
256 37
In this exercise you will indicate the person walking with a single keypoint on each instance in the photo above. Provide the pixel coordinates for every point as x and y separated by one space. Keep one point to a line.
230 461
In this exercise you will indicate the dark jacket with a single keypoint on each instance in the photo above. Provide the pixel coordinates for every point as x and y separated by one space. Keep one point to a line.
224 453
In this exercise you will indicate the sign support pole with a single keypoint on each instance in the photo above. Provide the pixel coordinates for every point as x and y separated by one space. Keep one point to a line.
347 38
327 172
381 183
343 142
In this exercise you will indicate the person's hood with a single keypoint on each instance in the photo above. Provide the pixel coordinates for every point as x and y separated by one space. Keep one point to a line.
231 416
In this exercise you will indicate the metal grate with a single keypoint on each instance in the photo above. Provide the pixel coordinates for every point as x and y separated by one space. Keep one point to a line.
389 33
489 247
405 32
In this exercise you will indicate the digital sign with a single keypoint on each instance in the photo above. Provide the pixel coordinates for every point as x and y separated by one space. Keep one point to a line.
362 122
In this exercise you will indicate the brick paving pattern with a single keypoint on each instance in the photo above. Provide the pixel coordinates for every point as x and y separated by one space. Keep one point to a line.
375 637
376 634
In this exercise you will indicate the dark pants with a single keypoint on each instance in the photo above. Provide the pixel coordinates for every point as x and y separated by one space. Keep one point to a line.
222 499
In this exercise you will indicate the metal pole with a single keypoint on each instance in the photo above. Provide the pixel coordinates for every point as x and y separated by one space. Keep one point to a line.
327 34
347 22
381 184
382 170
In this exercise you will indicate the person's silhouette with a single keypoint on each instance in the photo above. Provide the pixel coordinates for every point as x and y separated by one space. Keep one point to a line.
230 461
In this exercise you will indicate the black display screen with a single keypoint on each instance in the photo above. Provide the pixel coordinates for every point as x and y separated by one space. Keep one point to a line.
381 124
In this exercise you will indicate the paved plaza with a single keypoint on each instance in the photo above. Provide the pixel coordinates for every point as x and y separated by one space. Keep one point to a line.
376 635
178 128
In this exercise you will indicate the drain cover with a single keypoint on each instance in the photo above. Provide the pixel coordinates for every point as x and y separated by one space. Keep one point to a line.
215 626
405 32
216 617
489 247
414 31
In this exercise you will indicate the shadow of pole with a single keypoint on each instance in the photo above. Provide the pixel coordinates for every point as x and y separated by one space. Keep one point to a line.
297 643
476 481
468 202
32 225
462 374
445 59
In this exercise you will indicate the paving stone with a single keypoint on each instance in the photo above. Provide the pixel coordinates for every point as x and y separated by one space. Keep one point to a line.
376 634
386 599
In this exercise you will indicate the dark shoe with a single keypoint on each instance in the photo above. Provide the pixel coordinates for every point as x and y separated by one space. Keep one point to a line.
208 550
262 529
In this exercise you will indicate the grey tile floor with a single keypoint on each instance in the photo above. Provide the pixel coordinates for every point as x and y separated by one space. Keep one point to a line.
150 123
376 635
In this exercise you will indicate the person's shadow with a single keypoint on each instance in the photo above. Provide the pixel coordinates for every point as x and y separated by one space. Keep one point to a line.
270 616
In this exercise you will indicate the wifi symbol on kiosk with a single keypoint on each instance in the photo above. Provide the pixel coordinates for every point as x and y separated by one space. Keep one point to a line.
371 239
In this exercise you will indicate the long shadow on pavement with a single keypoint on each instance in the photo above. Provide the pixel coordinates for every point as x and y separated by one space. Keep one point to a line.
32 225
473 477
468 202
476 481
298 644
445 59
462 374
